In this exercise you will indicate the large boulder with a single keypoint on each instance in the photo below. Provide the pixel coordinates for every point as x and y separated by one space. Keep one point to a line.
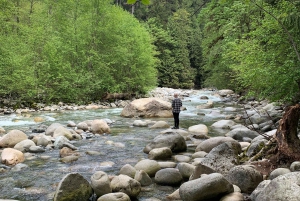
62 131
220 159
284 187
245 177
225 92
126 184
160 153
198 129
24 145
82 126
142 177
208 144
148 107
186 169
99 126
50 130
174 141
60 141
223 124
149 166
12 138
73 187
128 170
209 187
100 183
168 176
240 134
11 156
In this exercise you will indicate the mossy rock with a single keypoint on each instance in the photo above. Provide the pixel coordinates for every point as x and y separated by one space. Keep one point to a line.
73 187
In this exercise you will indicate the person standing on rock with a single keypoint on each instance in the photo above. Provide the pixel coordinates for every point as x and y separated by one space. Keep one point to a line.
176 104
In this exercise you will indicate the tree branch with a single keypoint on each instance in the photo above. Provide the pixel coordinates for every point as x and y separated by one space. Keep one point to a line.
290 37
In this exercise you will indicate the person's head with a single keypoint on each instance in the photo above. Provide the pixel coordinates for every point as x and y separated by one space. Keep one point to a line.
175 95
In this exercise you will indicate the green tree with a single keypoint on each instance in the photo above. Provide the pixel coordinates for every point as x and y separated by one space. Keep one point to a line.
164 45
214 19
72 51
264 58
179 27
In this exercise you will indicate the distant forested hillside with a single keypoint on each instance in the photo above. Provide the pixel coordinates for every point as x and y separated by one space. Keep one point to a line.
77 51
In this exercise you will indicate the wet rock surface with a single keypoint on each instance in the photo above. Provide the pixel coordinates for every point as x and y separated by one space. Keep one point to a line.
67 144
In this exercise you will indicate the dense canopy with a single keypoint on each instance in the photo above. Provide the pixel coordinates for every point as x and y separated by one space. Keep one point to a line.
77 51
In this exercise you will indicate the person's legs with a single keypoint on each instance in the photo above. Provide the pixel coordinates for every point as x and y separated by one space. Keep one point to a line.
176 120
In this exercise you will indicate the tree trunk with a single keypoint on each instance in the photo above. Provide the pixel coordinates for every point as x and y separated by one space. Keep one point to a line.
288 143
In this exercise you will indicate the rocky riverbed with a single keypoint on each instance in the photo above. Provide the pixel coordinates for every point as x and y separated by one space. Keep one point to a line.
141 158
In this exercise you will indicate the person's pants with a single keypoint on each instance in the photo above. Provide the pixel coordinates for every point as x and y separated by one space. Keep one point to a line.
176 119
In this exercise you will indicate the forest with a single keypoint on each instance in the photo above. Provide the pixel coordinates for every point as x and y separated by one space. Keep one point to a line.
77 51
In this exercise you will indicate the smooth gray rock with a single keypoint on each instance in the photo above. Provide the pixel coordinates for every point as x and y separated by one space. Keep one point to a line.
186 169
239 133
128 170
160 153
209 187
277 172
35 149
209 144
168 176
172 140
100 183
50 130
149 166
246 177
114 197
126 184
235 196
295 166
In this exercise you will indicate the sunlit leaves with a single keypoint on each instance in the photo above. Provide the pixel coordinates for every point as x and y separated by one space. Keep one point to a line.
145 2
73 51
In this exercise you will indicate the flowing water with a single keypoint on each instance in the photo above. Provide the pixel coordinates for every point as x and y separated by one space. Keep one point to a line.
123 146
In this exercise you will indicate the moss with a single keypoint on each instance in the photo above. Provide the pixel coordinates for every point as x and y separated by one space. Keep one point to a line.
77 194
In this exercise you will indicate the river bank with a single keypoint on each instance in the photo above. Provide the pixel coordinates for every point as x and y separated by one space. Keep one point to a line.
125 145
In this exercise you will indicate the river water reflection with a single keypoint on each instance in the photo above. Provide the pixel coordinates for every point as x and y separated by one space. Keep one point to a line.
123 146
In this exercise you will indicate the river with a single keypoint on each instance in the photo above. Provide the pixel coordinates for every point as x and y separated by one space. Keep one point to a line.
123 146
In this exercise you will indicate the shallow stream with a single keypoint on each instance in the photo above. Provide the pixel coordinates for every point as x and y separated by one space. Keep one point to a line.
123 146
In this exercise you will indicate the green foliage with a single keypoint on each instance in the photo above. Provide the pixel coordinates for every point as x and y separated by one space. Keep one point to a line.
181 73
252 47
179 51
164 45
265 61
72 51
145 2
217 29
